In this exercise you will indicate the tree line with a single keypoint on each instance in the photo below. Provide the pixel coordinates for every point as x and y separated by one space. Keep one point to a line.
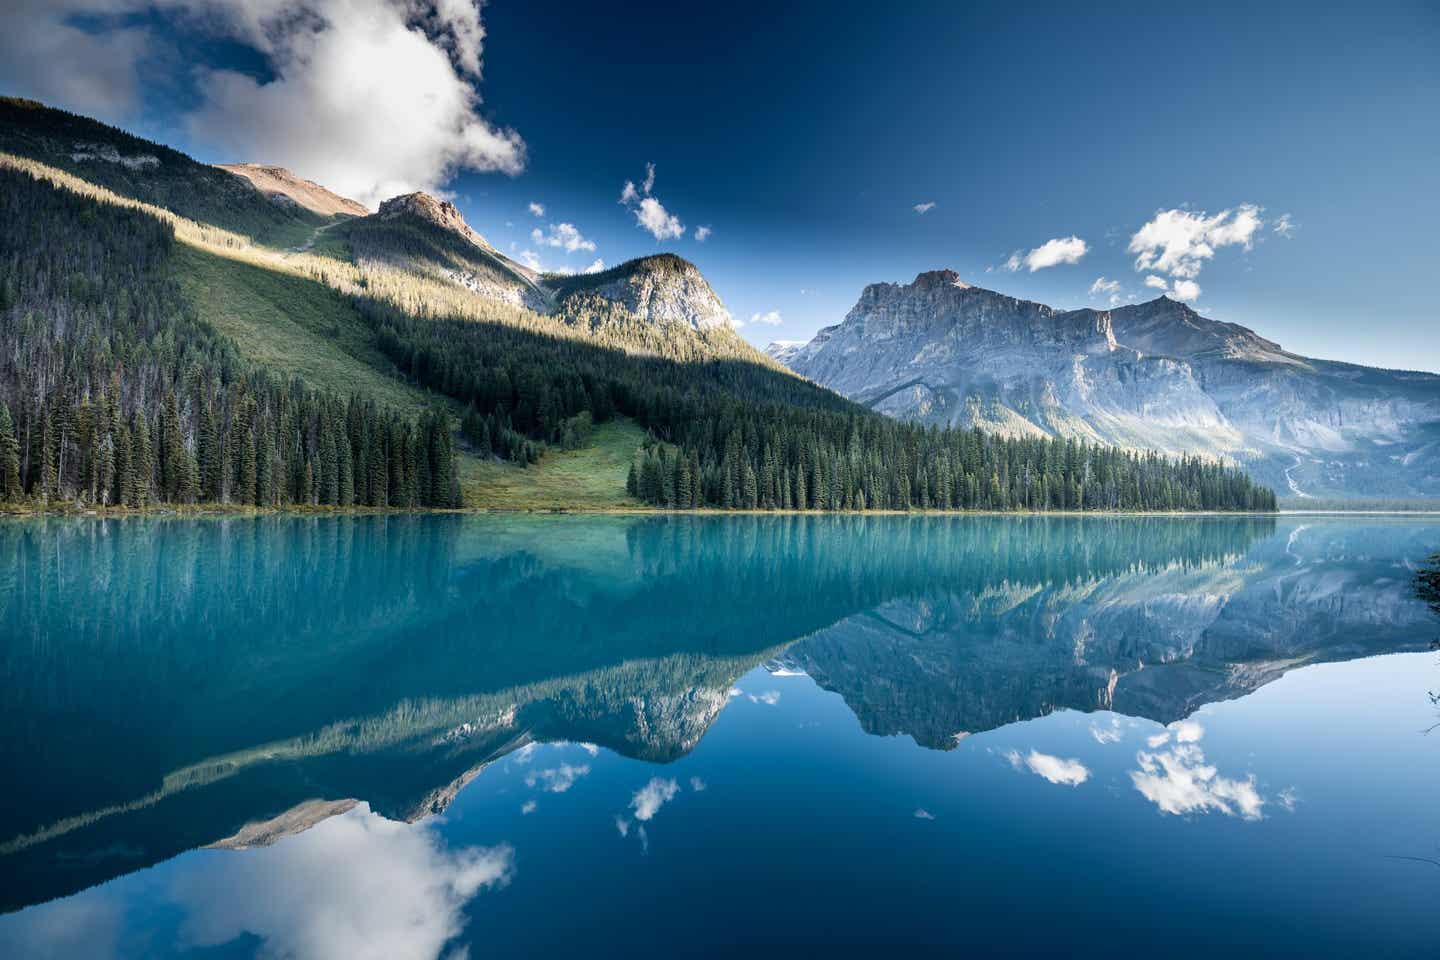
113 392
733 433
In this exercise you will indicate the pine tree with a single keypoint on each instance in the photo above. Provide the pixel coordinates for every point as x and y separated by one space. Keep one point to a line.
9 457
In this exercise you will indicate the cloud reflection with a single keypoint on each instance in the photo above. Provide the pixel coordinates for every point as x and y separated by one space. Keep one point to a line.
357 885
1179 780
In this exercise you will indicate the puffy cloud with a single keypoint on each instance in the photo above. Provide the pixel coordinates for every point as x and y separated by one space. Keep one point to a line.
531 259
649 212
1284 226
528 807
1049 254
372 99
697 784
1069 773
566 236
536 209
922 814
1185 290
702 234
661 223
1109 289
356 885
770 697
1179 781
924 208
43 55
650 798
1159 283
557 779
1178 242
596 266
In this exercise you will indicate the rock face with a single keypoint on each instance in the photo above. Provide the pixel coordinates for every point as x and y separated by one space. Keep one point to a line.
283 187
662 288
423 233
1154 376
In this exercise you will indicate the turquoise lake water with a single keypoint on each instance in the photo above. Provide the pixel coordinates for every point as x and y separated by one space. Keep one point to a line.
451 736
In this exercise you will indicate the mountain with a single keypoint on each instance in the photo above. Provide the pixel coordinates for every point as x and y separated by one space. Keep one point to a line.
1155 376
415 323
661 288
148 172
286 189
424 235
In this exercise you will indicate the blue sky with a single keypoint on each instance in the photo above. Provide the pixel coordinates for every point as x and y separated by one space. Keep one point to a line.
804 135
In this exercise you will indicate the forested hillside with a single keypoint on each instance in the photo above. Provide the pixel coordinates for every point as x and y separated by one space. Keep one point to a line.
112 392
134 372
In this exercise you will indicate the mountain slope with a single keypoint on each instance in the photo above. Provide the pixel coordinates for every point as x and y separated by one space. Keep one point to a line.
1154 376
286 189
148 172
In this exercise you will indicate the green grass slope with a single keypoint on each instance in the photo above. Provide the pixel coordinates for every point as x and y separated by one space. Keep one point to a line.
292 325
591 478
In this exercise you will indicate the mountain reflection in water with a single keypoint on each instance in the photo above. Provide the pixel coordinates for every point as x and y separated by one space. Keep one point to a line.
172 684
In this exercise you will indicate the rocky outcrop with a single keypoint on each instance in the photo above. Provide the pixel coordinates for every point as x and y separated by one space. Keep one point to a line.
1152 376
284 188
659 289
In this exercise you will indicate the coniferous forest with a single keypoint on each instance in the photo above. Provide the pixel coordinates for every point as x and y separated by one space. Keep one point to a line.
112 392
734 434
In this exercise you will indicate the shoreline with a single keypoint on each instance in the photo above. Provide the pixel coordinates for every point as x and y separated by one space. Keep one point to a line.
237 510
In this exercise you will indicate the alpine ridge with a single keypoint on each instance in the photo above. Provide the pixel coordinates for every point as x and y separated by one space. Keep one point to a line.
1154 375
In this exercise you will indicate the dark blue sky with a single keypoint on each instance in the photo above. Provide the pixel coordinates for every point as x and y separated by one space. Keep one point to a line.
804 135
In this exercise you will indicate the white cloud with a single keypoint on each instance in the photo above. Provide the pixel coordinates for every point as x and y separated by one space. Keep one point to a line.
528 807
924 208
661 223
356 885
1111 732
1284 226
1179 781
770 318
1185 290
1158 283
697 784
536 209
1049 254
650 798
622 825
1109 289
531 259
769 697
1179 242
557 779
702 234
565 236
649 212
596 266
1069 773
1103 286
44 56
371 99
922 814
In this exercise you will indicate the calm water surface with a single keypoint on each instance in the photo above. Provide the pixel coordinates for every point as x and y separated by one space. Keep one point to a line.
498 736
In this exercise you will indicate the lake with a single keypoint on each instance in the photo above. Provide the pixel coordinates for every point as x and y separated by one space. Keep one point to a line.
451 736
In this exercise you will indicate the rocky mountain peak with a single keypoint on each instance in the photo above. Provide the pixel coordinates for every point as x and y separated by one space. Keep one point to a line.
939 278
659 288
284 187
441 213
